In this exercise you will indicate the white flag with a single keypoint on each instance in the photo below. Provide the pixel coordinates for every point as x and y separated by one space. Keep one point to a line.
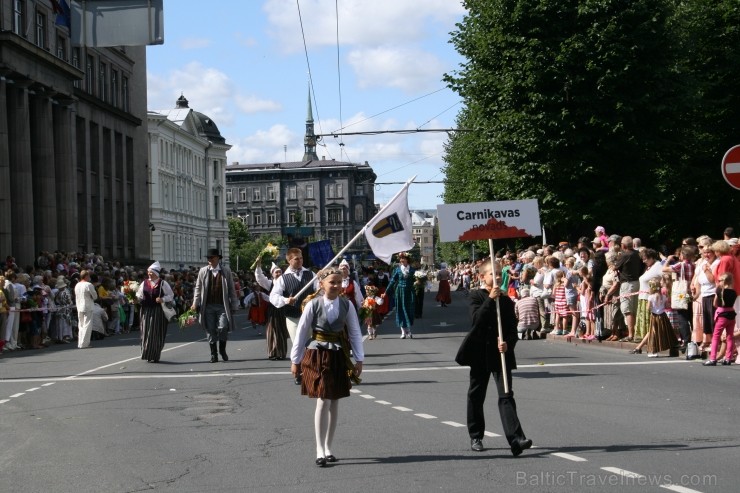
389 231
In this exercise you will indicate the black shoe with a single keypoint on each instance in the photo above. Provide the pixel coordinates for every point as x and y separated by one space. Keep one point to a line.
321 462
298 380
222 350
476 445
331 458
214 352
519 445
726 362
710 362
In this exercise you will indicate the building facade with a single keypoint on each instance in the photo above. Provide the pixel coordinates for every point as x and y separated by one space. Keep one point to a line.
72 154
188 157
310 200
423 226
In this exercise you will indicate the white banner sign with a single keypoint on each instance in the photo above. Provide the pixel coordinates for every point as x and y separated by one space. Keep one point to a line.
489 220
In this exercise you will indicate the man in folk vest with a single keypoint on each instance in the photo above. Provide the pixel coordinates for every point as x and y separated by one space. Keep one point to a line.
286 287
215 299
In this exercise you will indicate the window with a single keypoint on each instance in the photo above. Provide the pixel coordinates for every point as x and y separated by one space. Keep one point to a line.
330 191
359 213
18 17
62 48
215 173
124 94
270 192
336 239
256 194
359 190
229 195
40 30
291 217
90 74
339 190
103 81
309 191
114 87
242 195
271 217
292 193
216 211
257 218
335 215
309 216
76 63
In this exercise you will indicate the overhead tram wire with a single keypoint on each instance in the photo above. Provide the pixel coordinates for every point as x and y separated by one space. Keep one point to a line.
310 77
339 80
407 131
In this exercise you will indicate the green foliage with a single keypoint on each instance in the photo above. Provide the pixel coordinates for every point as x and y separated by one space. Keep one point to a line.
599 109
244 248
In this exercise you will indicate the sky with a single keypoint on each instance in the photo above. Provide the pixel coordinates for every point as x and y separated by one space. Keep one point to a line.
243 63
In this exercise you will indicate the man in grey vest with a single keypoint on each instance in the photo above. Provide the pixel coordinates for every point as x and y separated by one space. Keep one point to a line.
286 287
215 299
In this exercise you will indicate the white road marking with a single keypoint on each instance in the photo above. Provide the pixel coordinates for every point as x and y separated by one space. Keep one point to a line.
454 423
355 391
490 434
367 396
47 384
17 395
679 489
574 458
385 403
425 416
401 408
33 389
4 401
623 472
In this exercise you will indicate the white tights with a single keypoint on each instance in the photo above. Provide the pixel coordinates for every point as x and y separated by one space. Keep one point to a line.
325 423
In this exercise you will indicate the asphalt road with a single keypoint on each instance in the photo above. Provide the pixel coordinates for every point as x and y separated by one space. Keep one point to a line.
103 420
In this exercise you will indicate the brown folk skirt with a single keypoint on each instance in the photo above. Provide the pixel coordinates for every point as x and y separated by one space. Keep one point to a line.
661 336
324 374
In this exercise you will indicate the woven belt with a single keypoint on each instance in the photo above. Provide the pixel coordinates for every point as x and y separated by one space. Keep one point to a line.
341 338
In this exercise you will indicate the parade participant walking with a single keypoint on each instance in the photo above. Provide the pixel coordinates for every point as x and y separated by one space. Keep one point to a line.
402 287
350 288
85 296
152 320
480 350
321 354
443 293
215 300
276 333
286 287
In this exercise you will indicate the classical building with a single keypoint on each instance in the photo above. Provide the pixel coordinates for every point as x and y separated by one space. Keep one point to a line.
423 225
187 155
309 200
72 144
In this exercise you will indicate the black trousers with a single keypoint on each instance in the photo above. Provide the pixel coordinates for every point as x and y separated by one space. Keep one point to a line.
479 378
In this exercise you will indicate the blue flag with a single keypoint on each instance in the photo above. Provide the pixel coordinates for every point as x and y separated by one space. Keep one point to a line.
320 252
63 12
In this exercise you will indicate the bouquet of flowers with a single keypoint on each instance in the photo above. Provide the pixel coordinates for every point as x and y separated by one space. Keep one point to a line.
367 308
187 319
270 251
420 274
129 290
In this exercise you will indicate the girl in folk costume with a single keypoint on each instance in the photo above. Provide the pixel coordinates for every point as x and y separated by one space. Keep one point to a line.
350 288
369 313
277 331
661 336
257 302
321 354
402 288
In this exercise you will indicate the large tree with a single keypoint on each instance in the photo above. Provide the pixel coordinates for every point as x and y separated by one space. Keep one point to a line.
579 104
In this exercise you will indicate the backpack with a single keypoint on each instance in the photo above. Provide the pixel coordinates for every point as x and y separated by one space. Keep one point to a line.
692 351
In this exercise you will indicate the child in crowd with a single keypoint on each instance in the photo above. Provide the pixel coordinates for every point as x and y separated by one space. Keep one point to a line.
572 289
257 302
561 303
371 314
724 319
661 335
586 301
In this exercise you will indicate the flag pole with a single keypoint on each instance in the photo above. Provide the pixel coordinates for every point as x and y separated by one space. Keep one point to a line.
359 233
504 373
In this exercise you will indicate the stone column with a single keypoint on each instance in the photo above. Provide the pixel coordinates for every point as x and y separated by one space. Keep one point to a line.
66 206
44 174
5 203
21 177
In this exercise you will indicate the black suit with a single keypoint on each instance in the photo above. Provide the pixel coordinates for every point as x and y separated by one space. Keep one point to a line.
479 350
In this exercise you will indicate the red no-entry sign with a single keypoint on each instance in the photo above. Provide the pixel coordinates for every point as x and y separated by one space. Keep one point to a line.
731 167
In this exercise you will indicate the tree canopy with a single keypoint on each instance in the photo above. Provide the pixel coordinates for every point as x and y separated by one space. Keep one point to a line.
607 112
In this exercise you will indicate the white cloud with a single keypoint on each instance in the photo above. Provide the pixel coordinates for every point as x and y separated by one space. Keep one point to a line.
194 43
266 146
209 91
408 69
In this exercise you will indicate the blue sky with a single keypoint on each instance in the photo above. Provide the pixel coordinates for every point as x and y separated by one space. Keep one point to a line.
243 64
